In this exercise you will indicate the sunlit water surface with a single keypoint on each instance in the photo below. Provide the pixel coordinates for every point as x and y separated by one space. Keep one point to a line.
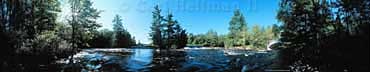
195 59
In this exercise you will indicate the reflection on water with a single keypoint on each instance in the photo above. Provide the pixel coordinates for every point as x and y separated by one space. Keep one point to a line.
140 59
178 60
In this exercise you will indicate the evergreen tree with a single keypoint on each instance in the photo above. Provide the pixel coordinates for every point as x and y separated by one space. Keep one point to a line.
174 35
276 30
238 30
167 32
26 21
83 22
211 38
104 39
180 36
309 29
191 39
156 31
168 36
352 16
30 28
122 36
256 36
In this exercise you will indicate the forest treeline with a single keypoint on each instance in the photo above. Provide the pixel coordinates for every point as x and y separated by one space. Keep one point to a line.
325 35
119 37
167 33
30 29
240 35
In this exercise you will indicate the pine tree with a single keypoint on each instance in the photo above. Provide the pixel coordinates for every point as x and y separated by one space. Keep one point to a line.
122 36
238 30
104 39
304 24
174 35
156 31
83 22
211 38
167 32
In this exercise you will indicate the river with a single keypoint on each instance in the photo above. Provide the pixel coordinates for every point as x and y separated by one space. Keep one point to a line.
183 60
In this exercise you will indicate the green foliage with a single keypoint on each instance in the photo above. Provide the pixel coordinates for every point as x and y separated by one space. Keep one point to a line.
104 39
29 28
83 22
210 39
276 30
312 29
166 32
173 35
239 35
122 36
30 25
156 32
46 42
180 36
310 18
257 37
238 30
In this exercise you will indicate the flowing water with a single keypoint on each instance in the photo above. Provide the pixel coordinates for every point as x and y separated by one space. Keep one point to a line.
188 59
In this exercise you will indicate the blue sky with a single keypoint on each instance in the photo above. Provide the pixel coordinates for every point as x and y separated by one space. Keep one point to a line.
196 16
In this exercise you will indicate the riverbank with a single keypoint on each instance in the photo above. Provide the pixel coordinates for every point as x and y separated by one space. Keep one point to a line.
34 60
232 48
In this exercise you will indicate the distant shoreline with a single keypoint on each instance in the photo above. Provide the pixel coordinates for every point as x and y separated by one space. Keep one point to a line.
187 47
